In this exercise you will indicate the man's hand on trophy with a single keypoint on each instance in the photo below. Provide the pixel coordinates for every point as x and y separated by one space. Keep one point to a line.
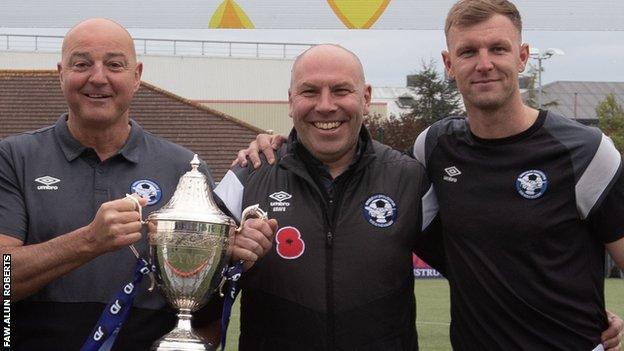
253 241
117 224
265 143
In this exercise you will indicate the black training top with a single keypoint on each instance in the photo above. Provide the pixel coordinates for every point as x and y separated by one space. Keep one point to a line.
525 220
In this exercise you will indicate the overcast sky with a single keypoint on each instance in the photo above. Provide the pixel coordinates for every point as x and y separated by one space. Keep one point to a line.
388 55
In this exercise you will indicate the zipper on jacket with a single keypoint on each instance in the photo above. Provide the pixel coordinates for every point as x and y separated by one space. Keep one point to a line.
332 207
330 238
329 270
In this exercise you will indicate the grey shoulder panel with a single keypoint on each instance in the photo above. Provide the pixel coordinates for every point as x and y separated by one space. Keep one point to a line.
580 140
419 147
595 160
429 207
427 140
598 177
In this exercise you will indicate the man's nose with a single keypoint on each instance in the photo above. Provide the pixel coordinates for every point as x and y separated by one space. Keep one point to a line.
325 102
98 74
484 62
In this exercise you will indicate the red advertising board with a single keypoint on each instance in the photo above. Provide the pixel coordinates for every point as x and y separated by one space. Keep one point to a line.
423 271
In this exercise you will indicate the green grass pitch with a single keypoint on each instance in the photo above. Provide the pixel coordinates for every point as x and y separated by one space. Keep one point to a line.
432 297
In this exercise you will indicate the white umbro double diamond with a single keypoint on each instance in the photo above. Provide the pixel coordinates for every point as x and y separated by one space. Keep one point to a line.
47 182
280 196
451 172
281 203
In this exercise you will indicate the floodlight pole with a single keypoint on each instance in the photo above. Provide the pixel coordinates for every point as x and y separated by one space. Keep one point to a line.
539 77
536 54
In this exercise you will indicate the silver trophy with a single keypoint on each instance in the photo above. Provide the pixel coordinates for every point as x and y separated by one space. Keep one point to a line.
190 245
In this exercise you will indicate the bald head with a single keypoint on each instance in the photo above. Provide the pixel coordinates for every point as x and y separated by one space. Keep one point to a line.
99 75
329 53
328 99
95 29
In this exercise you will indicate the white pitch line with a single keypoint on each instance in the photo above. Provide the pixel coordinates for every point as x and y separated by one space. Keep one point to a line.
433 323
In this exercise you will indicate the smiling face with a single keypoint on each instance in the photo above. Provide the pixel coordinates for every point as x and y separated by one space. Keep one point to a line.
327 101
99 73
485 59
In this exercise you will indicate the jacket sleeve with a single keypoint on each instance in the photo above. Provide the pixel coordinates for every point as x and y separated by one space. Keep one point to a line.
430 245
230 191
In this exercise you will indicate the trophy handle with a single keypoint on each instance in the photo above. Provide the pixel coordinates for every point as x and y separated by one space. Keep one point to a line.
253 211
134 250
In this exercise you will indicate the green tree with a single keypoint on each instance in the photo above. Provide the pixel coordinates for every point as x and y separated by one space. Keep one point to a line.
611 120
435 99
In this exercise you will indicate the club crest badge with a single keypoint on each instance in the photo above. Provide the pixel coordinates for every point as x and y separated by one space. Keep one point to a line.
532 184
290 245
147 189
380 210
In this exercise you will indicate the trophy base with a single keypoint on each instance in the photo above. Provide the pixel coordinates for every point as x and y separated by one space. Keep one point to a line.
182 345
182 340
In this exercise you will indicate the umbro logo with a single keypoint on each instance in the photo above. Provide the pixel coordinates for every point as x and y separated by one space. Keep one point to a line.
47 182
451 174
280 204
280 196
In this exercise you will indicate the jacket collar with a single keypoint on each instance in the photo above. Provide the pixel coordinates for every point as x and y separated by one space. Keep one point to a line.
296 155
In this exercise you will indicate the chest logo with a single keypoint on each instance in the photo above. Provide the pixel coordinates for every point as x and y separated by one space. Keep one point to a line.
451 174
47 183
147 189
290 244
380 210
532 184
281 202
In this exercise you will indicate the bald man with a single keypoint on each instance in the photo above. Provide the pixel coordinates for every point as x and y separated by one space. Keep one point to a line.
339 276
63 216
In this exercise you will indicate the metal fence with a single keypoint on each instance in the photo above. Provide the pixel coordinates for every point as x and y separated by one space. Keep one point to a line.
167 47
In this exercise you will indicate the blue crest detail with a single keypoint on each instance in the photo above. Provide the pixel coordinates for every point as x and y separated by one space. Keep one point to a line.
380 210
532 184
147 189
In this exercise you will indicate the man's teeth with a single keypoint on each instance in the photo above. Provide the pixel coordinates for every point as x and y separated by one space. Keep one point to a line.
96 96
327 125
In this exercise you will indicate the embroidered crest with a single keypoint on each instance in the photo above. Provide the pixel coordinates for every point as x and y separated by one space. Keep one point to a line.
147 189
380 210
532 184
290 245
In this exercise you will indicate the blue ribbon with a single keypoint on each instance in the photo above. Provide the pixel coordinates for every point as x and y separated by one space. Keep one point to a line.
232 274
116 312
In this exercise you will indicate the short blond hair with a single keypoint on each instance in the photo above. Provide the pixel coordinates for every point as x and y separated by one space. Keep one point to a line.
470 12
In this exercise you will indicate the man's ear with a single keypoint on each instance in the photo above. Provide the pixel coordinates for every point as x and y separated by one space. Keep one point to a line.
59 68
368 94
289 103
446 59
138 71
524 56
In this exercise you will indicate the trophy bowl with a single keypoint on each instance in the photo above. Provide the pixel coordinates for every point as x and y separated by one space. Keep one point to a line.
190 245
